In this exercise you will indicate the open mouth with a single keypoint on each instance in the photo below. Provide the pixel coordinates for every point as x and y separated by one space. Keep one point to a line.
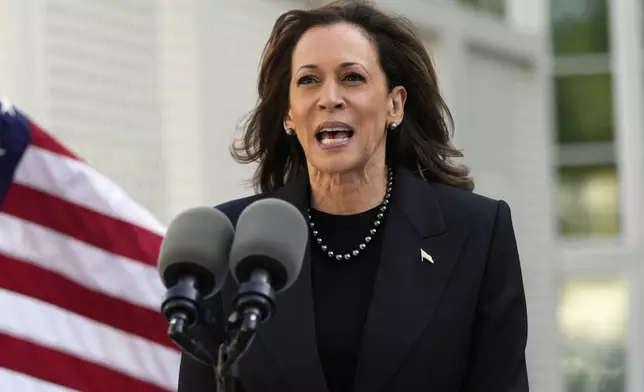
334 136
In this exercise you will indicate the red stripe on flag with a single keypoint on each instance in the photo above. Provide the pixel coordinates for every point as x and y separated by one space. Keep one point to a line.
110 234
66 370
47 286
44 140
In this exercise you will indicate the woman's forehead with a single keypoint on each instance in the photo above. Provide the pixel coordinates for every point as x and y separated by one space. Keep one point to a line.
336 45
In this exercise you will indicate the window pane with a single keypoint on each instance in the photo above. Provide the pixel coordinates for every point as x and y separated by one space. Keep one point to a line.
579 26
584 108
593 317
496 7
588 201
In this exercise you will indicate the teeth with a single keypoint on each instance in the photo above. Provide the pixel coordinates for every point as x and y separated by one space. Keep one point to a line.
334 136
335 130
330 142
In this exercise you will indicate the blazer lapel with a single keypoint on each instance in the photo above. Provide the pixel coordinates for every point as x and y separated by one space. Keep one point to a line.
289 336
407 288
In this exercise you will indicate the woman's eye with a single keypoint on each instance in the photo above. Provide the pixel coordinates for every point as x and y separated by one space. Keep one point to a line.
305 80
354 77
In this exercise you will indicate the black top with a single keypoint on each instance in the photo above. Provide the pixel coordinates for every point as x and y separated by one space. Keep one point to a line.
342 291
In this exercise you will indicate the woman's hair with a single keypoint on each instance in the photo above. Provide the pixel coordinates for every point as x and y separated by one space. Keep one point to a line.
421 143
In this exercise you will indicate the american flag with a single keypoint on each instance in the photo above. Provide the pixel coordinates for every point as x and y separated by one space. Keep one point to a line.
79 290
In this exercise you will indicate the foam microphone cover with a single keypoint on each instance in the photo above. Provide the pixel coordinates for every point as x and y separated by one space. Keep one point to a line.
197 243
272 235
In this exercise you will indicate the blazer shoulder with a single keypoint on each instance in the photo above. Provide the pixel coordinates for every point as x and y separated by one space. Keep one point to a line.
469 206
233 208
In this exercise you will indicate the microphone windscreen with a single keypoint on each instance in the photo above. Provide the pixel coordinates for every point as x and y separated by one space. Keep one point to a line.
197 243
272 235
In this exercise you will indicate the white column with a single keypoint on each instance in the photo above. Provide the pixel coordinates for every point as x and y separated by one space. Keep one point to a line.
449 54
626 64
21 70
182 121
628 82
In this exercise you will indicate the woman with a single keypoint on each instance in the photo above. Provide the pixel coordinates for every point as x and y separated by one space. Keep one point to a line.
412 282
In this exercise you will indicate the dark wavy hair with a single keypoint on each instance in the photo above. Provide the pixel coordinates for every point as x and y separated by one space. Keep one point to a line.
421 143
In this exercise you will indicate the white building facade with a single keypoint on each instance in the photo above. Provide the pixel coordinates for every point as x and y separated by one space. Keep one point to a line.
151 92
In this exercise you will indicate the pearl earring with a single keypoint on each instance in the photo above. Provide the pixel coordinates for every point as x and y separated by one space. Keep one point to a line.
289 131
393 126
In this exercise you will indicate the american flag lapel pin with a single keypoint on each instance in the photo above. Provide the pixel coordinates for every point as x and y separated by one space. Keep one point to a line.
424 256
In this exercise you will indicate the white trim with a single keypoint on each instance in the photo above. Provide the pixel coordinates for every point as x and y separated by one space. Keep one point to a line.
628 84
592 260
586 64
628 92
573 154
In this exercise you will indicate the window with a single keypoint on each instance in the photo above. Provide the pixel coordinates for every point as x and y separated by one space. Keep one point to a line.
579 26
593 317
588 200
584 108
587 173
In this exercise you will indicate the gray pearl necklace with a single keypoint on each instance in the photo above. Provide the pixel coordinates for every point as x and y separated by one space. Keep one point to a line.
376 224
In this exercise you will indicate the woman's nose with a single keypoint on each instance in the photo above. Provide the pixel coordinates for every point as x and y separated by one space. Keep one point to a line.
331 98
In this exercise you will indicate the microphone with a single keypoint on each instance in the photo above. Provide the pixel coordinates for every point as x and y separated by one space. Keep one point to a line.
193 264
267 255
265 259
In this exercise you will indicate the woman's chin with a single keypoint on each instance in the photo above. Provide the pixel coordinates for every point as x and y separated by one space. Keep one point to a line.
337 165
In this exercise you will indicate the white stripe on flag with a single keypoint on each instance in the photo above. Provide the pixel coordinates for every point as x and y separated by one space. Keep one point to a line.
19 382
89 266
56 328
79 183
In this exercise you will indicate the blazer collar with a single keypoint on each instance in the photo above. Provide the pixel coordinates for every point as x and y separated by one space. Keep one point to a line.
408 286
412 195
417 201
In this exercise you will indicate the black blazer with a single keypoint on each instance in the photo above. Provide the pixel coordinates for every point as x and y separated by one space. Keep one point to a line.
457 324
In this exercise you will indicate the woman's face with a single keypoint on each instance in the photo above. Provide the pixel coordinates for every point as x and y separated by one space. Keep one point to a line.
340 106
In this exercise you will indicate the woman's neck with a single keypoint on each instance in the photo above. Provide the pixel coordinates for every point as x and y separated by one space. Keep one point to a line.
348 193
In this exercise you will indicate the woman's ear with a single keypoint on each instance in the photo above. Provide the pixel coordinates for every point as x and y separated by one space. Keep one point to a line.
396 110
288 122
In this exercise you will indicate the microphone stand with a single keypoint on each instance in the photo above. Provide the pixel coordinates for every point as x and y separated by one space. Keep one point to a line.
181 308
255 302
233 349
189 345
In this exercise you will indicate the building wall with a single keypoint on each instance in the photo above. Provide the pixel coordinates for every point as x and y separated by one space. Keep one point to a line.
88 72
183 124
233 39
